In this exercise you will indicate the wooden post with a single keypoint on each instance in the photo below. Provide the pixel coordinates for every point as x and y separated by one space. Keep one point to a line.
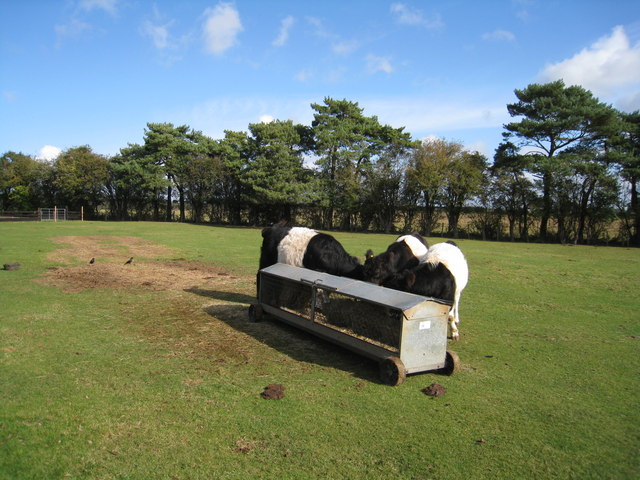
55 213
82 214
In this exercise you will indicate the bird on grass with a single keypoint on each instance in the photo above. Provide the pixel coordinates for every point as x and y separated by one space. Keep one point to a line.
128 262
92 261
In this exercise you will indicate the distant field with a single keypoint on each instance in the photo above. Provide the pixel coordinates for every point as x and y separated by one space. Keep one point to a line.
151 370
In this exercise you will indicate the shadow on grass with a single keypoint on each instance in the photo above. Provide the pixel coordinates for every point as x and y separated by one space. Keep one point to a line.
295 343
222 295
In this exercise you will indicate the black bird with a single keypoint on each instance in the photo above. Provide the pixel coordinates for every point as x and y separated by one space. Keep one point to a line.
129 261
92 261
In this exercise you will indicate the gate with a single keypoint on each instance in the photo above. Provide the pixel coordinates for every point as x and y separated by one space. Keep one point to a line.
52 214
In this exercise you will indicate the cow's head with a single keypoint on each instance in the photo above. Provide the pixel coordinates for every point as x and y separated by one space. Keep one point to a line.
379 267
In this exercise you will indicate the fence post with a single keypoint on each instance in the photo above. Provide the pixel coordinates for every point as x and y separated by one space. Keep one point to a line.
82 214
55 213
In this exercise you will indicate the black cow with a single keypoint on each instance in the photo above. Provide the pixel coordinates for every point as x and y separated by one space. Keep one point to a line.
407 252
443 274
304 247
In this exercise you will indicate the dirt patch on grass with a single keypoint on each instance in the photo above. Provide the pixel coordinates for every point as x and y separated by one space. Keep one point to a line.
150 268
105 248
274 391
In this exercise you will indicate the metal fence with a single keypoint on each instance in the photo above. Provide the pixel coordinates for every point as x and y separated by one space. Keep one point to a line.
52 214
18 216
42 214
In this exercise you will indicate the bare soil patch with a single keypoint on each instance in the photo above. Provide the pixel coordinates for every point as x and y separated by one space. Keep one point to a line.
150 268
274 391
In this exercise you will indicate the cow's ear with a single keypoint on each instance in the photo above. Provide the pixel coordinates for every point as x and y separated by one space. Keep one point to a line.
409 278
369 254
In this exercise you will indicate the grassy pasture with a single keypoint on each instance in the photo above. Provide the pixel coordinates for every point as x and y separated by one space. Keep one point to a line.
152 370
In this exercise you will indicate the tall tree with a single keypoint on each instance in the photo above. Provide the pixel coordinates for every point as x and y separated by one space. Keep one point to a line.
514 191
80 176
229 192
488 213
382 196
625 152
200 173
554 117
274 175
463 177
136 183
121 186
594 189
25 183
347 143
170 147
425 177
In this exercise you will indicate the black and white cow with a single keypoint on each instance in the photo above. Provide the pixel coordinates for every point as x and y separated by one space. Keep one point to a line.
443 274
408 251
304 247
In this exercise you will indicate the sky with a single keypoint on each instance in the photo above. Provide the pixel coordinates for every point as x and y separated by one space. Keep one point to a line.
95 72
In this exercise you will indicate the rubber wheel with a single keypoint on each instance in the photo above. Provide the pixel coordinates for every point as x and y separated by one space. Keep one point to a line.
392 371
451 363
255 312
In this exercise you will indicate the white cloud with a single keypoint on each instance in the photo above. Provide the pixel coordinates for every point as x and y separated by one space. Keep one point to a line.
408 16
266 119
609 67
159 34
319 29
499 35
74 29
108 6
480 147
630 102
339 45
303 75
433 116
9 96
221 28
48 153
283 35
335 75
345 47
158 29
216 115
377 64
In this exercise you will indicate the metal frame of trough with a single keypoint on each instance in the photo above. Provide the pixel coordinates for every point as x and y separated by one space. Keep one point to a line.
417 325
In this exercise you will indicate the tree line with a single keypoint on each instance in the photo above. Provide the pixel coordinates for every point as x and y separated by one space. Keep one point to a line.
567 170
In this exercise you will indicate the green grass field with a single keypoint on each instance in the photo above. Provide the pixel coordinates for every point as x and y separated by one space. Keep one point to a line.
155 371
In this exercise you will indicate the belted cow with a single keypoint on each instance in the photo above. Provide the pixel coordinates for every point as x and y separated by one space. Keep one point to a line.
307 248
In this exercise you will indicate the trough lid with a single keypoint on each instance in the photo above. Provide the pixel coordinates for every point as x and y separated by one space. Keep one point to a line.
348 286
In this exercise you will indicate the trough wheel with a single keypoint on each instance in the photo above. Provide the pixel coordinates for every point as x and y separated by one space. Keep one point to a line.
392 371
255 312
451 363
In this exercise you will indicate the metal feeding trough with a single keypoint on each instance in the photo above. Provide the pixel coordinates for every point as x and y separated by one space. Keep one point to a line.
405 333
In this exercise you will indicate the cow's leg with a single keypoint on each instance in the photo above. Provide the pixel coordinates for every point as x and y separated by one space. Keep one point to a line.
455 334
454 319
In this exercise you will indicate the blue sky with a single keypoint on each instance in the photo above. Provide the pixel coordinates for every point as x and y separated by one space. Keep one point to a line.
94 72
